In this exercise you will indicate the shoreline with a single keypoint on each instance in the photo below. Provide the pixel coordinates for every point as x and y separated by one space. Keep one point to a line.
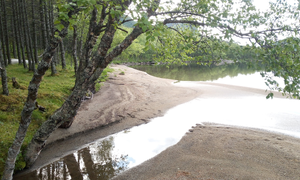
126 100
215 151
130 100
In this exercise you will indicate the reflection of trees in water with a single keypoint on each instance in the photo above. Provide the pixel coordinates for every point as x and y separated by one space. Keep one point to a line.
195 72
94 162
108 165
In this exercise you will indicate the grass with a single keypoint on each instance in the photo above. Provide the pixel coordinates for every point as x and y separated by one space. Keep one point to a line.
51 95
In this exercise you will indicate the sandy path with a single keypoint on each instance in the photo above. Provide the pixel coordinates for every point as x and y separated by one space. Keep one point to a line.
210 152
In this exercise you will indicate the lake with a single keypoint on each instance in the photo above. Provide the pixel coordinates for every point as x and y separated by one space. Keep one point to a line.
107 157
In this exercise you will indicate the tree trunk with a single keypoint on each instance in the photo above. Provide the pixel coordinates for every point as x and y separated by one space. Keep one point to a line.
75 49
2 38
43 24
51 18
13 37
21 32
88 73
47 20
35 53
5 18
16 29
80 48
53 68
30 104
73 167
62 54
3 74
32 67
89 164
26 35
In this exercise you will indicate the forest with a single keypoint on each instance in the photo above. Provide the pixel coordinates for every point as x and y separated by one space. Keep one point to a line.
78 39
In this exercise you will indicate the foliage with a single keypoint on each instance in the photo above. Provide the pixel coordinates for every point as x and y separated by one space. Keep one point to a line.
177 33
279 50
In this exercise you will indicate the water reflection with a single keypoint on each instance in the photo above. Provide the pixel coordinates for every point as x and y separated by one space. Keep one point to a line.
195 72
96 162
218 104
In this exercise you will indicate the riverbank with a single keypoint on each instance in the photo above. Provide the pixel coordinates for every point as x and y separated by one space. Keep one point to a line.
129 98
132 97
212 151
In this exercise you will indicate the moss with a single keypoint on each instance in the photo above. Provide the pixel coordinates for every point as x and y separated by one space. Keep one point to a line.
52 93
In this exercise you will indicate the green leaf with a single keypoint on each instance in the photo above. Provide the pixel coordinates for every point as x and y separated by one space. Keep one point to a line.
144 28
59 27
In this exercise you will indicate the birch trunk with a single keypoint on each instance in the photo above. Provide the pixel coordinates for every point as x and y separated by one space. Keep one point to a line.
88 72
30 104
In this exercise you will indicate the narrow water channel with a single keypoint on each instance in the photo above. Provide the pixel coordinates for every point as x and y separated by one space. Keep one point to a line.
105 158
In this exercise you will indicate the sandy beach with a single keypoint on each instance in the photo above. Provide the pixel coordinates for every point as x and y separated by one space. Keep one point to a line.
208 151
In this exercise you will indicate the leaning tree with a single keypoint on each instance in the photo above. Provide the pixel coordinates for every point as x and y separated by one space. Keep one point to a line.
201 21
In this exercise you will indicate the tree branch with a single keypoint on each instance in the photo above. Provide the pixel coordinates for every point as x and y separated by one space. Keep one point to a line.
235 32
179 12
122 30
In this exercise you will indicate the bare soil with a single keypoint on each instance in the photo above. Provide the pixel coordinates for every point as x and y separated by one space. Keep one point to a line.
206 152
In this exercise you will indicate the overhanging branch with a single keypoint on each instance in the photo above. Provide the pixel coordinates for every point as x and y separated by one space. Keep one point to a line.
122 30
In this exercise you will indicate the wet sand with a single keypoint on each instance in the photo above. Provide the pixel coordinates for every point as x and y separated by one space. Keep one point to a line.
206 152
223 152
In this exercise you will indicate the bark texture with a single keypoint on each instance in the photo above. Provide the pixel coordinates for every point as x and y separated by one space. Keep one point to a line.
2 35
62 54
43 23
89 70
34 35
75 49
27 29
21 33
3 74
16 28
53 66
5 18
26 34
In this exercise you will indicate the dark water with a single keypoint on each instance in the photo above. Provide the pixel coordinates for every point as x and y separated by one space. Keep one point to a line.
195 72
96 162
102 161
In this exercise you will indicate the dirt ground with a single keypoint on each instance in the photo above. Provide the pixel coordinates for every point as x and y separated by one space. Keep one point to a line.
206 152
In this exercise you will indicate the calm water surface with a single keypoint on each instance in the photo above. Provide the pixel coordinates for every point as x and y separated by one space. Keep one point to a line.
110 156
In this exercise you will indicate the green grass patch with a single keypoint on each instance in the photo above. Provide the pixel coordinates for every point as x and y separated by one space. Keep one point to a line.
51 95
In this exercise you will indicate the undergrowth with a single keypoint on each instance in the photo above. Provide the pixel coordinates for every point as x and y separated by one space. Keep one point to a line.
51 95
